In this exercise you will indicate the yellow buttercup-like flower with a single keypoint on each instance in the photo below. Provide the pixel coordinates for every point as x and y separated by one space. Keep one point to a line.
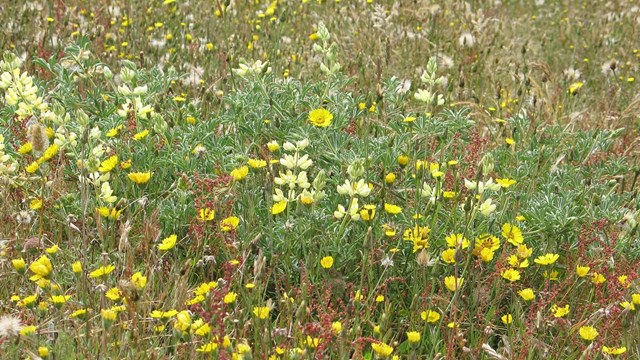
168 243
101 271
320 117
41 267
140 177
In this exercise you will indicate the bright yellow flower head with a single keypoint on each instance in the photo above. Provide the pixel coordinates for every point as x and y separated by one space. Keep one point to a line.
455 240
452 283
229 224
41 267
430 316
392 209
413 336
507 319
230 298
240 173
168 243
526 294
138 280
614 350
101 271
261 312
140 177
511 275
206 214
327 262
547 259
559 311
582 271
588 333
512 234
320 117
381 349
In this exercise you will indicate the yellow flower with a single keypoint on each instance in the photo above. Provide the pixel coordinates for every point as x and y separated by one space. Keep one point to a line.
27 330
50 152
588 333
403 160
52 249
507 319
430 316
33 167
261 312
624 280
76 267
327 262
380 298
511 275
320 117
413 336
208 347
449 256
168 243
108 164
19 264
25 148
205 288
80 313
390 178
505 183
125 164
452 283
101 271
598 278
273 146
635 298
392 209
278 207
240 173
336 327
614 350
382 349
108 315
206 214
546 259
312 342
512 234
141 135
183 321
368 212
358 296
559 311
229 224
409 119
256 164
138 280
43 351
157 314
35 204
113 294
230 297
455 240
41 267
526 294
510 141
140 177
573 88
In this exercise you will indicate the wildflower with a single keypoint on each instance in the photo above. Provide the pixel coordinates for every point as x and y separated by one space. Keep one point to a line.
80 314
526 294
403 160
467 40
358 296
409 119
413 336
510 141
206 214
52 249
312 342
208 347
261 312
547 259
336 326
108 164
35 204
41 267
505 183
43 351
101 271
156 314
200 328
273 146
168 243
28 330
430 316
240 173
628 305
597 278
381 349
183 321
138 280
327 262
487 207
229 224
614 350
278 207
320 117
25 148
230 297
449 255
390 178
512 234
588 333
573 88
392 209
50 152
19 264
256 163
139 177
141 135
452 283
486 241
457 240
559 311
108 316
635 298
380 298
205 288
76 267
624 281
507 319
552 276
33 167
368 212
511 275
